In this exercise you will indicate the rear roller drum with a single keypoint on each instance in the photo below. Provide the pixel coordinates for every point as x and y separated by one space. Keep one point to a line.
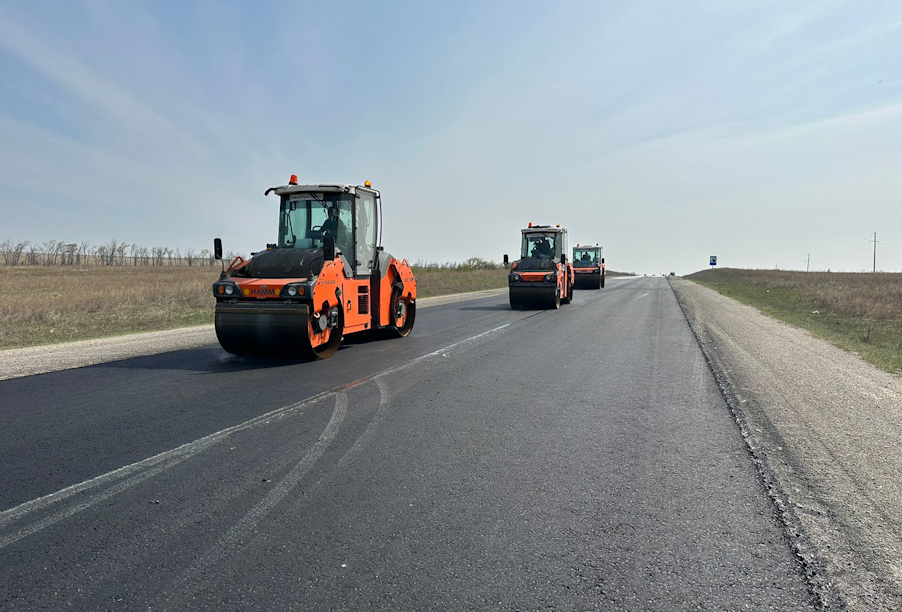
569 297
403 312
324 331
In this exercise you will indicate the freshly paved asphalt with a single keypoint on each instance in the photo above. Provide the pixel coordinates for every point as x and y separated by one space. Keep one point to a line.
578 459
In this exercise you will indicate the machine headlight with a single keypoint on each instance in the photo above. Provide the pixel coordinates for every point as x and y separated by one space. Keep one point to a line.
515 278
549 277
295 290
229 290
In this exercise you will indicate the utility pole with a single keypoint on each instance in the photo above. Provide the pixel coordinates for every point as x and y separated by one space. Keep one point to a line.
875 252
808 265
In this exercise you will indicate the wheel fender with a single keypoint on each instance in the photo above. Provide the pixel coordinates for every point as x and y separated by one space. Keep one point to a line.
329 286
403 276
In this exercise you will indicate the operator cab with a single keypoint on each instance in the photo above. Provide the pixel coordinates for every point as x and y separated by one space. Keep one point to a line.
542 247
311 214
584 256
543 242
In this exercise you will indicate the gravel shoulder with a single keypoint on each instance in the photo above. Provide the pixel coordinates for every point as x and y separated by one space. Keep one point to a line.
825 429
16 363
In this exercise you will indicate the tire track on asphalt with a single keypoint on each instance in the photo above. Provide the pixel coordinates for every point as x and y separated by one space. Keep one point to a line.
175 596
19 522
245 525
252 518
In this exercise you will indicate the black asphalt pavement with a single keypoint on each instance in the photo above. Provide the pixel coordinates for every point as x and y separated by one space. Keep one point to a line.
577 459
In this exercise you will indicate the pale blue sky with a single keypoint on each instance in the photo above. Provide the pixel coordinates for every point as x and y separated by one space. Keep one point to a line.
668 131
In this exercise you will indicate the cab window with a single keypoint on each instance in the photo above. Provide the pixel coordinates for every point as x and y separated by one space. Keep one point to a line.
542 245
365 212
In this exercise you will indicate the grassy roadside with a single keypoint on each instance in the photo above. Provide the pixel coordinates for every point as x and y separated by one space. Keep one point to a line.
50 304
856 311
437 281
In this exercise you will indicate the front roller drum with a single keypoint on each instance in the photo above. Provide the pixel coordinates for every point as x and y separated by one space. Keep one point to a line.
585 281
535 297
278 331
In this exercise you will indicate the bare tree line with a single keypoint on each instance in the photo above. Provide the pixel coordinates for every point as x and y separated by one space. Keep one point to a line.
112 253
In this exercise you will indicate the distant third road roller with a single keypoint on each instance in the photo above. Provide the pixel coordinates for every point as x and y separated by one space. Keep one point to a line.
588 266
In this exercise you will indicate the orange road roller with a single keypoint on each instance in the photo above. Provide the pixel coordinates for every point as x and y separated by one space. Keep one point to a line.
542 277
326 277
588 266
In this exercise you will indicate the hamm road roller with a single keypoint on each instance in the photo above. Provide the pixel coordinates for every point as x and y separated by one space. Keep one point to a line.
588 266
542 277
326 277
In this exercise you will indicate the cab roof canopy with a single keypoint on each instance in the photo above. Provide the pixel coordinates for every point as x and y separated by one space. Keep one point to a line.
544 229
285 189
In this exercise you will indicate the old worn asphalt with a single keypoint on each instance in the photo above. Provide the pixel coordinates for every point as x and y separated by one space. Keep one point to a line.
578 459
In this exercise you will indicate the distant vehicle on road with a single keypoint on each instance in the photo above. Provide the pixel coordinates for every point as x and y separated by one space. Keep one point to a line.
542 277
327 277
588 267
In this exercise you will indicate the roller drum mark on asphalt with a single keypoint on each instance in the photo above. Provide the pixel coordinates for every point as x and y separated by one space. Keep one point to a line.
580 458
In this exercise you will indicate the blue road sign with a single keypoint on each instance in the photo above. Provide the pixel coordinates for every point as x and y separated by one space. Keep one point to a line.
714 260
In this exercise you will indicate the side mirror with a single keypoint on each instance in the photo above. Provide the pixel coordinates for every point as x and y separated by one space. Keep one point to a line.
564 258
329 248
217 248
602 260
506 259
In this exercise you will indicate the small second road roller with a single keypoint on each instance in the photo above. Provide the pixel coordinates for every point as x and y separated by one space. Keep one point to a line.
542 277
326 277
588 266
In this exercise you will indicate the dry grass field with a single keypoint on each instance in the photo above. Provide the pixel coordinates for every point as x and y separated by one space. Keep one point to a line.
860 312
437 281
47 304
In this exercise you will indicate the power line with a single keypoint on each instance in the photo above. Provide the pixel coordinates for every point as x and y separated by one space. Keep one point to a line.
854 245
856 248
862 249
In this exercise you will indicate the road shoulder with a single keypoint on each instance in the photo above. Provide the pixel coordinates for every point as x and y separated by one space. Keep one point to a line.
16 363
823 427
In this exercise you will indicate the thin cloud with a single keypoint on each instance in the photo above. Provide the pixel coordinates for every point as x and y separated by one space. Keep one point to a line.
105 97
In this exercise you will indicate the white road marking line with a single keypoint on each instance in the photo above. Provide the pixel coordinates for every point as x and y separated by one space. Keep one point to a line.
155 465
253 516
94 499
